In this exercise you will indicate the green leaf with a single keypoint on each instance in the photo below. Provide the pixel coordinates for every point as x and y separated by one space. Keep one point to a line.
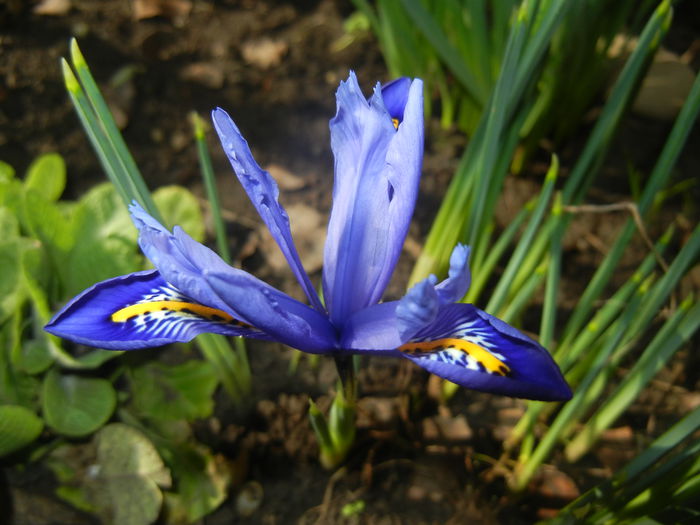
126 490
123 450
101 213
35 356
19 427
7 172
202 480
9 225
16 387
47 176
105 244
179 207
75 405
11 289
174 392
44 220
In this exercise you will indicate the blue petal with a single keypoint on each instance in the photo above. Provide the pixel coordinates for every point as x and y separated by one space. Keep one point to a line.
263 193
457 283
140 310
178 258
395 95
201 274
373 330
476 350
377 169
277 314
418 308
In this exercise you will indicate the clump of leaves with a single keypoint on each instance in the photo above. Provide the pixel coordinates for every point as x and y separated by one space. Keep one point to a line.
50 394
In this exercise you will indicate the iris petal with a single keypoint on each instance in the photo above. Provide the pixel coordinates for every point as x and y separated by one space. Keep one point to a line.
457 283
208 279
263 193
140 310
373 330
418 308
377 169
395 95
287 320
476 350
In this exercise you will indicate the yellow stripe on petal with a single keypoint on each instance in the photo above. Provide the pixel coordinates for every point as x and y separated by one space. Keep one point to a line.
482 356
135 310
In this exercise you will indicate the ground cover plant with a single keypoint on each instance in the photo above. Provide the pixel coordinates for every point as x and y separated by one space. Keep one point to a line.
627 325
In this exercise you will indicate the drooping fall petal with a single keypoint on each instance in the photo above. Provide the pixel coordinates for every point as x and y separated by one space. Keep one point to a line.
141 310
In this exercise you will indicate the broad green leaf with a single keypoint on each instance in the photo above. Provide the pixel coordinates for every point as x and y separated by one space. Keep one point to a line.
7 172
11 192
74 405
33 266
127 500
35 357
174 392
44 220
123 450
101 213
10 283
92 261
202 480
47 176
16 387
19 427
9 225
126 490
179 207
105 241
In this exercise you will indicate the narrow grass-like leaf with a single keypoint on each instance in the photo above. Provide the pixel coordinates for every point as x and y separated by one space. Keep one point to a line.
102 117
674 333
484 269
569 352
597 145
435 35
543 202
657 180
549 307
584 506
523 473
210 184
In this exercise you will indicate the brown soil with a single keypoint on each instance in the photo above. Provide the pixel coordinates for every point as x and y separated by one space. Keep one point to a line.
275 67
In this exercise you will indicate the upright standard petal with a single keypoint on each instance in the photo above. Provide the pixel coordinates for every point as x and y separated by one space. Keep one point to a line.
458 279
395 95
263 193
201 274
140 310
476 350
377 169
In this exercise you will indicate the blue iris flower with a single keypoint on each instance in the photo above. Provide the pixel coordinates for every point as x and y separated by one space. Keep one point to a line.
378 149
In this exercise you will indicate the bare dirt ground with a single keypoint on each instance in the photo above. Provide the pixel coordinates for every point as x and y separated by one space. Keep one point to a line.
275 67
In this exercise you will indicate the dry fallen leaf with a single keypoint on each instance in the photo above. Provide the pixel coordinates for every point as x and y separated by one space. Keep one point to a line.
264 52
172 9
52 7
